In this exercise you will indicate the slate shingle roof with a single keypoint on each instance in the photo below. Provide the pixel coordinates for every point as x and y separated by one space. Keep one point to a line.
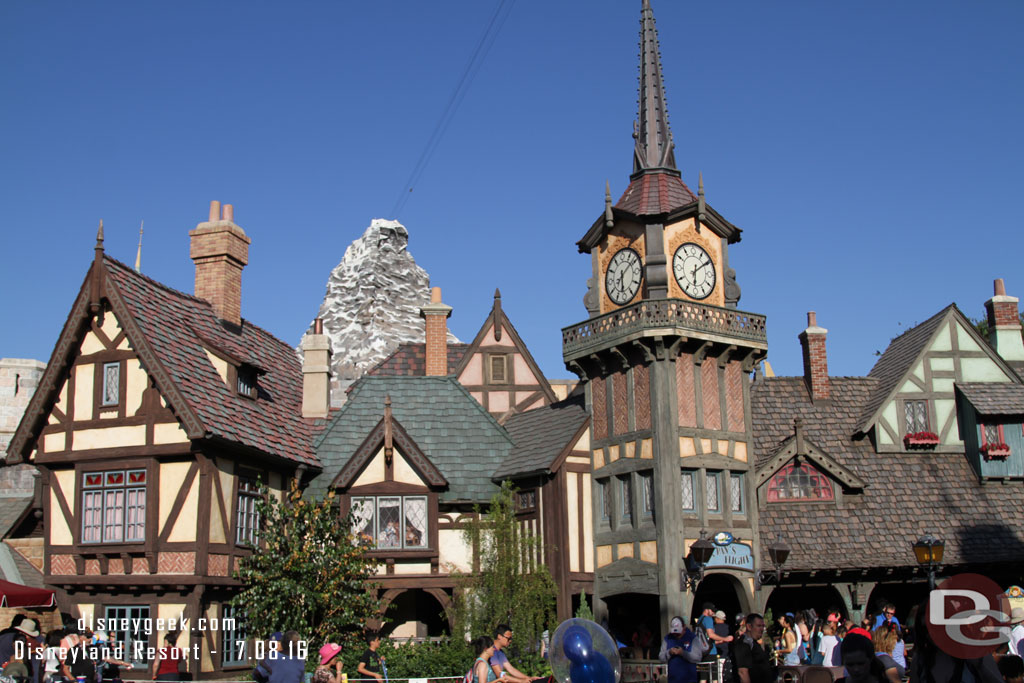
994 398
459 437
906 494
29 575
178 326
654 193
12 507
540 436
410 360
895 361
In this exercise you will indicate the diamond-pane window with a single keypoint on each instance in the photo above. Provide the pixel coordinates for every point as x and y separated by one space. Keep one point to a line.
688 498
736 493
916 415
648 480
111 384
990 435
799 482
627 498
363 512
606 500
389 514
711 491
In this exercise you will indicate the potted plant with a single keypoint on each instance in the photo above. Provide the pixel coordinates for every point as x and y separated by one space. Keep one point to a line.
995 451
921 440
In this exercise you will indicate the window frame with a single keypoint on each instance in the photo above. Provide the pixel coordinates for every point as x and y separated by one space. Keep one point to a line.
504 358
737 504
127 638
247 515
403 498
625 499
716 477
230 638
815 475
101 503
647 491
913 402
690 476
105 389
607 505
246 381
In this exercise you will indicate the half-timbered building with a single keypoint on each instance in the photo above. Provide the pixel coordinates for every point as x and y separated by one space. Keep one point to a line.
157 418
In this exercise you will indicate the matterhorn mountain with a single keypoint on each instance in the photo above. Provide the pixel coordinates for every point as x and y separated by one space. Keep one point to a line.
373 303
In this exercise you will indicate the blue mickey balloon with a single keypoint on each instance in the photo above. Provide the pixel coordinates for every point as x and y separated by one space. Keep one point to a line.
577 645
596 670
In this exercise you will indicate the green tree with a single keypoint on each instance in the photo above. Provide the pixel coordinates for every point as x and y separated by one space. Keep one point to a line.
308 574
583 611
510 585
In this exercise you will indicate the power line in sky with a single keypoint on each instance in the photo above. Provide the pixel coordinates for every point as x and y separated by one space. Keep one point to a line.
476 59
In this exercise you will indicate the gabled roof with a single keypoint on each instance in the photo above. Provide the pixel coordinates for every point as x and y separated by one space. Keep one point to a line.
900 356
994 398
497 320
410 360
170 331
905 494
408 448
542 436
458 436
13 509
799 446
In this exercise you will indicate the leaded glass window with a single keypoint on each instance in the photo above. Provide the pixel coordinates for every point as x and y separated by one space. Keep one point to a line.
688 497
916 415
389 514
799 482
111 384
415 522
736 493
363 515
991 434
606 500
393 522
648 481
627 498
712 489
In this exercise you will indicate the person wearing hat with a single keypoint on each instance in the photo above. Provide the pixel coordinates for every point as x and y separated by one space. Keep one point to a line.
1016 643
673 650
261 674
329 670
707 622
21 629
290 667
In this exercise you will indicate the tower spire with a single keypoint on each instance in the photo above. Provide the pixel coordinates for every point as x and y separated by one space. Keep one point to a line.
138 254
654 146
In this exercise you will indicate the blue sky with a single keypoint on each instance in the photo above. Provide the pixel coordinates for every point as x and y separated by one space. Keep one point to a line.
872 152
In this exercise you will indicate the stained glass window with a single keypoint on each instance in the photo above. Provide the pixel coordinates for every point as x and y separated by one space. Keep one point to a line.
114 506
799 482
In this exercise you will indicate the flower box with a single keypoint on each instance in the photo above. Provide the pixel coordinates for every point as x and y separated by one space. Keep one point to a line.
921 440
995 451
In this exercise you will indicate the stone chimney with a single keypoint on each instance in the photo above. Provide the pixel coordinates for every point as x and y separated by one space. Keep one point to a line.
815 359
436 315
220 249
316 372
1004 330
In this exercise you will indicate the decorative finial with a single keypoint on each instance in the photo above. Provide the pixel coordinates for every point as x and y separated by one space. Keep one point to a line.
700 183
138 254
497 294
497 316
700 199
609 217
99 236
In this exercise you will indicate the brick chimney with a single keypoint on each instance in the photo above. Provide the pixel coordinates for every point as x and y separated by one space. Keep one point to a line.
436 315
1004 331
220 249
815 359
316 372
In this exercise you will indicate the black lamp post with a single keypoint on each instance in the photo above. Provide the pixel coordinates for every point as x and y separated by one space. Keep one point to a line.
929 551
778 552
700 554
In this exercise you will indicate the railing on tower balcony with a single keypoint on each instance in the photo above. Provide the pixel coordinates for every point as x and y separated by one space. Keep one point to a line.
662 313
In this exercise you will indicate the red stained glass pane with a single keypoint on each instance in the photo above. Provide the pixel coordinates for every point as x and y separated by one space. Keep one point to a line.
115 478
799 482
93 479
137 477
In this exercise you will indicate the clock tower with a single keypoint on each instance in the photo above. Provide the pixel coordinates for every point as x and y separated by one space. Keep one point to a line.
666 358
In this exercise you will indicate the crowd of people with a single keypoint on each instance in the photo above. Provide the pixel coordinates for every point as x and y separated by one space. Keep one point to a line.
29 656
878 650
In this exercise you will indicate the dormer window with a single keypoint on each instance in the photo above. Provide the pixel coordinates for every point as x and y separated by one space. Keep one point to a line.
916 415
247 381
799 482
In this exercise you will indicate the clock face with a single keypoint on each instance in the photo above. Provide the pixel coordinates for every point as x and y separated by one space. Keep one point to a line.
622 281
694 270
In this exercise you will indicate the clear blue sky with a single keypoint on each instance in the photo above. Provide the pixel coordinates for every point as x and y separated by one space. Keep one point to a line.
872 152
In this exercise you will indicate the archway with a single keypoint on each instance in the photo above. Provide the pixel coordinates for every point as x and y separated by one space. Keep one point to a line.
415 613
822 599
636 614
904 596
725 592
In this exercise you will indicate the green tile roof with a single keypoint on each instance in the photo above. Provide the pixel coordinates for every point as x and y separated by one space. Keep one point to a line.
461 438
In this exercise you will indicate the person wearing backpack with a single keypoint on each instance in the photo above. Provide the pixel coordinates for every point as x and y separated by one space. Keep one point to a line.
677 651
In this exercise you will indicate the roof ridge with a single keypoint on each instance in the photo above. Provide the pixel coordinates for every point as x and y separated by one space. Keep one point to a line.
920 324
